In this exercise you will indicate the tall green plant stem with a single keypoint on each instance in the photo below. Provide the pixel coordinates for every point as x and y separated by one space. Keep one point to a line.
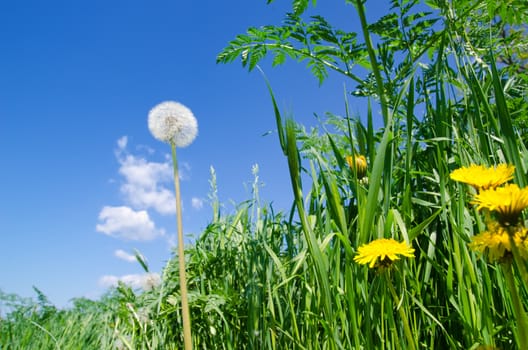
381 168
401 311
518 308
187 338
373 61
519 261
319 258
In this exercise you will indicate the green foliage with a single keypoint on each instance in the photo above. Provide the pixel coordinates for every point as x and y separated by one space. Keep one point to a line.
322 46
299 6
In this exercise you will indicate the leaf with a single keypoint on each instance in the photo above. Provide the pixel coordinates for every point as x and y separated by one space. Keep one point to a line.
141 260
279 58
318 70
299 6
316 41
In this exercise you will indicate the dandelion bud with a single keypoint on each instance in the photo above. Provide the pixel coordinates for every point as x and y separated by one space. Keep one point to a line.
358 164
173 123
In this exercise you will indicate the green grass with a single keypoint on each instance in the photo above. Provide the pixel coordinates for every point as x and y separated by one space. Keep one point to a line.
261 279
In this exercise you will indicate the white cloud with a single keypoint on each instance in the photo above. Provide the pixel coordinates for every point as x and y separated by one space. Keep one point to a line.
126 223
121 254
184 169
162 200
197 203
143 187
146 184
172 241
145 149
108 281
122 142
140 172
146 281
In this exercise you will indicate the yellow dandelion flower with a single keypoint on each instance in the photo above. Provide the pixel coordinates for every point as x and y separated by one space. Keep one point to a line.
358 164
382 252
495 243
508 202
483 178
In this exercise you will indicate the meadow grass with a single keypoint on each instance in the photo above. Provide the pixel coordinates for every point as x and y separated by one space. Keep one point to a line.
261 279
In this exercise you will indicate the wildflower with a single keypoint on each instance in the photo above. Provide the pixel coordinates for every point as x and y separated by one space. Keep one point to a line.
358 164
173 123
507 202
496 245
150 281
385 250
483 178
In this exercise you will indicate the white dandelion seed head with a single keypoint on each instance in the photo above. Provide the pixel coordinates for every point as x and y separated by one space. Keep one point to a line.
173 123
150 281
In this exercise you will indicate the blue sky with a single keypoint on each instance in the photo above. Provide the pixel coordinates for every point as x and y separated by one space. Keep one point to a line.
83 182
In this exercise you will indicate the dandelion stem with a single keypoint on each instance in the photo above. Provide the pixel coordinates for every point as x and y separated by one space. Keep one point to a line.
518 308
401 311
521 266
187 339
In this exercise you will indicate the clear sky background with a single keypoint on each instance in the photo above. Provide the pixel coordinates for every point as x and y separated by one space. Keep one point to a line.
83 183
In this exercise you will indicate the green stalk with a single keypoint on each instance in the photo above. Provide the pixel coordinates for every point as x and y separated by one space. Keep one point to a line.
319 258
373 61
518 308
187 339
401 311
383 161
519 261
